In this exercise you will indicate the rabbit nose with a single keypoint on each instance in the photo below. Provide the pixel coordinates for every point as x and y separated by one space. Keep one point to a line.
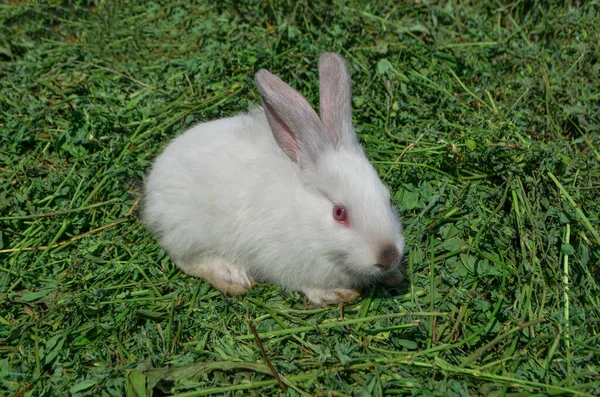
388 257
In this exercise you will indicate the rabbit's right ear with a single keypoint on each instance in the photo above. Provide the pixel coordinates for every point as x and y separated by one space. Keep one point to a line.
336 100
295 125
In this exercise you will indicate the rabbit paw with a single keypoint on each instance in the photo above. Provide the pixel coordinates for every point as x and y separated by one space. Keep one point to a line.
222 275
322 297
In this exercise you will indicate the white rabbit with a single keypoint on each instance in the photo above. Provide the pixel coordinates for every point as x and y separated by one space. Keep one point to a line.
278 195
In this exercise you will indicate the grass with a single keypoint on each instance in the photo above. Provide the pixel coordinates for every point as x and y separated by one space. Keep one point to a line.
482 117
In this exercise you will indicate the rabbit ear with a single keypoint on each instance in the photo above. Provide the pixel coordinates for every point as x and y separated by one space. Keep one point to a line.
295 125
336 100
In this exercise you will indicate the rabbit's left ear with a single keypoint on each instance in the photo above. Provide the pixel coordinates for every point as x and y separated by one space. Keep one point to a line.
336 100
295 125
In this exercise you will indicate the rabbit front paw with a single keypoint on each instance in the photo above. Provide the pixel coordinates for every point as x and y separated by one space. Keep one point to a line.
323 297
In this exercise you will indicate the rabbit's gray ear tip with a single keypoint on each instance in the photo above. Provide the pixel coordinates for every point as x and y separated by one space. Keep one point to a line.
328 55
331 57
261 74
263 78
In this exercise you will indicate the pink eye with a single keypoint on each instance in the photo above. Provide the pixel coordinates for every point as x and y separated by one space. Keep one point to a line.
339 214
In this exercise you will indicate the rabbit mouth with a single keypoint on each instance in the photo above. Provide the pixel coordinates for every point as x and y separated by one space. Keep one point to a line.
365 273
384 271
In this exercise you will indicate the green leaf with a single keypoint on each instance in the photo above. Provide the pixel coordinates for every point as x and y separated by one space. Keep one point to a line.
384 66
409 344
453 244
136 385
567 249
84 385
33 296
52 348
468 262
409 199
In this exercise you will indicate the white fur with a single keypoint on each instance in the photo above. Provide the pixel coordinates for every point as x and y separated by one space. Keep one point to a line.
224 194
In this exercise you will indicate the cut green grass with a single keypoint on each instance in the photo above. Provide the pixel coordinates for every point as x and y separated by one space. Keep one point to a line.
482 118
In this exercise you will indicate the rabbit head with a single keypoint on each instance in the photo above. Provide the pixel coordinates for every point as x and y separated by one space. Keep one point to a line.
363 230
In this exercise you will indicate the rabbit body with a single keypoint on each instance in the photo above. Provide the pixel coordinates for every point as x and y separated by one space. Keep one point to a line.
250 198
